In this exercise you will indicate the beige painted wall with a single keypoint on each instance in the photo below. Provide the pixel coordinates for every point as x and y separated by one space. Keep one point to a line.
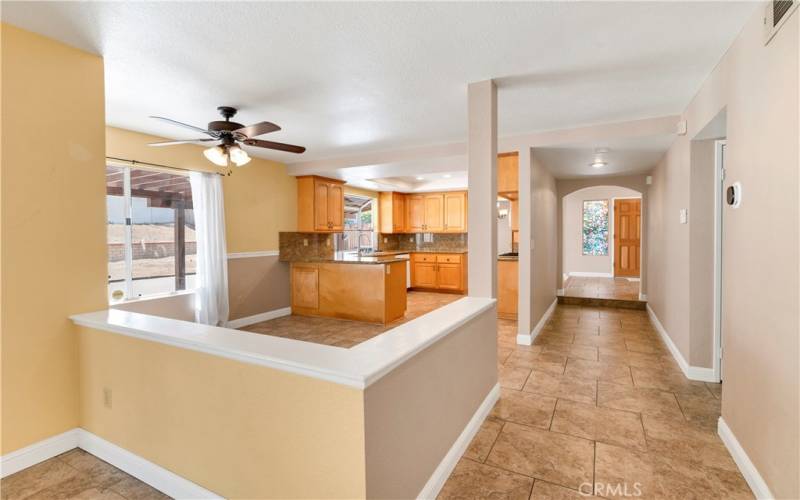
257 285
701 254
758 87
545 236
179 306
260 198
572 232
415 413
53 228
239 430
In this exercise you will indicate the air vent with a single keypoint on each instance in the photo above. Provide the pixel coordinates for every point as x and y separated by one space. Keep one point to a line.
775 16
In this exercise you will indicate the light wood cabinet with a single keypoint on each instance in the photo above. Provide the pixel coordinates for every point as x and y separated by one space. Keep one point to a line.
392 212
436 212
507 288
455 212
508 174
445 272
320 204
515 215
327 289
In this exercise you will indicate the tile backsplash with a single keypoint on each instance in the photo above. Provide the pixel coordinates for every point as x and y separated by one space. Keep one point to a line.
456 242
305 246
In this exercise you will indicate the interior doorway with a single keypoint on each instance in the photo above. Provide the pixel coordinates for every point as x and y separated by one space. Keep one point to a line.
719 178
627 237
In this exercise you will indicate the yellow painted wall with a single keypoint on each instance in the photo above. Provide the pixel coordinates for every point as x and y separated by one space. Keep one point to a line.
240 430
260 198
53 226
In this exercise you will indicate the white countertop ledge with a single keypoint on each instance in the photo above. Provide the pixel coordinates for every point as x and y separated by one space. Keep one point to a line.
358 367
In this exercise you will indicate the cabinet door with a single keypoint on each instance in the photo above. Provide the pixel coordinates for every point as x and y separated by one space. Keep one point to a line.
434 213
321 203
336 206
515 215
398 213
449 277
305 287
415 213
508 173
455 212
423 275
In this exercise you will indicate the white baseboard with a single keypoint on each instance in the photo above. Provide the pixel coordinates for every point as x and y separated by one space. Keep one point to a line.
746 467
581 274
138 467
523 339
258 318
38 452
691 372
142 469
448 463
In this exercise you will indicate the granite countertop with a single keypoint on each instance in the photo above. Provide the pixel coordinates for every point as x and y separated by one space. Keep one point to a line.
399 252
352 259
512 258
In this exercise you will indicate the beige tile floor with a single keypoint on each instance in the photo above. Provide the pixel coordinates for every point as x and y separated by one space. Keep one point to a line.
76 475
346 333
601 288
596 405
597 400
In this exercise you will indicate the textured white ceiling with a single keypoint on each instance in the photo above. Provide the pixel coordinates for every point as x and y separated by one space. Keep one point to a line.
345 78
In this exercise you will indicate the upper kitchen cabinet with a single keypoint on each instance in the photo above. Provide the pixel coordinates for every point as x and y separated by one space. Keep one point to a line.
508 175
320 204
392 212
455 212
436 212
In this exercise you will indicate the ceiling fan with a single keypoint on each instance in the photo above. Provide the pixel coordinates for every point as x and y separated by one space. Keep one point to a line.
230 135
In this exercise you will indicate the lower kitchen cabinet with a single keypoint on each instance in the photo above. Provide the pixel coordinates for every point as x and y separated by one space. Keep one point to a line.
443 272
507 288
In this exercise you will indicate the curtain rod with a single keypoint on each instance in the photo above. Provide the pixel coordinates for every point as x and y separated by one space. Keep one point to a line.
158 165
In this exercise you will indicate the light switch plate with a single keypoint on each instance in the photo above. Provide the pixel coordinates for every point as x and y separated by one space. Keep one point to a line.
684 216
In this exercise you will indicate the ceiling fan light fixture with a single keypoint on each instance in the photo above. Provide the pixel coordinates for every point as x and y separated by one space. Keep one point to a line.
217 155
238 156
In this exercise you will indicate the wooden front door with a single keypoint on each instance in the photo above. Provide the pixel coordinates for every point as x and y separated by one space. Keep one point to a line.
627 237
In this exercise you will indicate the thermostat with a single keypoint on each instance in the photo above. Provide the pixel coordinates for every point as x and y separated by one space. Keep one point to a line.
733 195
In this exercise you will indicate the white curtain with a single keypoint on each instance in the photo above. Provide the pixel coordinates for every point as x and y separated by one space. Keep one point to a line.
212 258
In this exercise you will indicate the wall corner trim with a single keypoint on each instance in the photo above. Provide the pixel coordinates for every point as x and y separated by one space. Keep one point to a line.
247 255
448 463
691 372
523 339
138 467
746 467
38 452
258 318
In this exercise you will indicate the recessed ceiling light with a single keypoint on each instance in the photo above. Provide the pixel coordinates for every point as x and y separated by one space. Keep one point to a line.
420 178
598 164
447 176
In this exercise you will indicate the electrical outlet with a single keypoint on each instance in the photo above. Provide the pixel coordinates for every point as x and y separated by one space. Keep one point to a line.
386 240
411 239
107 397
305 242
328 242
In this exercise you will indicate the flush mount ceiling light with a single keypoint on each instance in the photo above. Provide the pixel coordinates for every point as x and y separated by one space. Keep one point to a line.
447 176
599 158
420 178
230 135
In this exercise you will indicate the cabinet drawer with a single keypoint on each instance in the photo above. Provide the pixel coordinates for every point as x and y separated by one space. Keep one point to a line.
452 258
424 257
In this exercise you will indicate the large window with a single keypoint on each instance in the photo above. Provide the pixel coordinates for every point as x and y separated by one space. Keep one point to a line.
151 239
359 228
595 227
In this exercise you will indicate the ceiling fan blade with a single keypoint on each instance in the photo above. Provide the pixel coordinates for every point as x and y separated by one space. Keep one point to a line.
274 145
185 125
257 129
190 141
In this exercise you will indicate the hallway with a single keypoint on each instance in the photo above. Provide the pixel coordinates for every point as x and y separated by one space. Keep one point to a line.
599 400
602 288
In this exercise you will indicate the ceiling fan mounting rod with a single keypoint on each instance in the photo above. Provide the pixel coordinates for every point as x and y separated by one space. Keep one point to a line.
227 112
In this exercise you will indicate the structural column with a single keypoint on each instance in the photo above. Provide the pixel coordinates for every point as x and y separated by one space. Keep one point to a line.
482 172
525 293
